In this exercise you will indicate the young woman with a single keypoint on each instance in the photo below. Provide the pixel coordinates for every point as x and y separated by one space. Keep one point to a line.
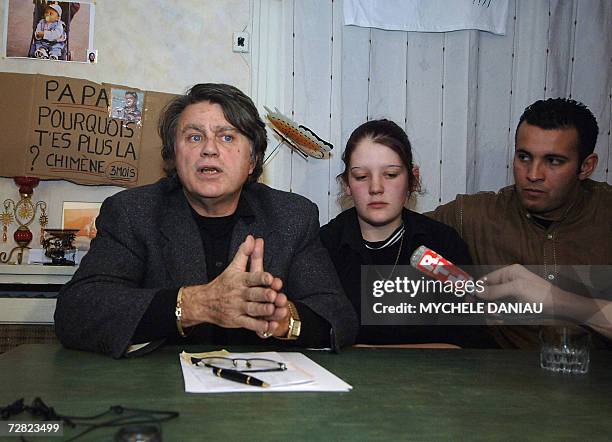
378 175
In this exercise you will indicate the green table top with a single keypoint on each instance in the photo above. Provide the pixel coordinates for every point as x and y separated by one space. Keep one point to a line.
410 394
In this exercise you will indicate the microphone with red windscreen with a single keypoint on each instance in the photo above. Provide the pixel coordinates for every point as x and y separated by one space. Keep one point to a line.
435 265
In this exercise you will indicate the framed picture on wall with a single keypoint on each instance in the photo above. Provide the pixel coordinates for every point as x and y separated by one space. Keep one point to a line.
82 216
49 30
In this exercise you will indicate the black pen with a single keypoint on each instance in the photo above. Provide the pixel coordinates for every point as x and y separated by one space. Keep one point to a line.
238 376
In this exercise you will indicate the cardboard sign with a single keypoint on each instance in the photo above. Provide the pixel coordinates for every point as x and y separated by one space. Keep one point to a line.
61 128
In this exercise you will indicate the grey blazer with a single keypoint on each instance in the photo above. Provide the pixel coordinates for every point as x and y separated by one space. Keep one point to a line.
147 240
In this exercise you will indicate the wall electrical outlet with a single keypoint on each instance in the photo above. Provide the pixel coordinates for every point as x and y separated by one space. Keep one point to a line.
240 42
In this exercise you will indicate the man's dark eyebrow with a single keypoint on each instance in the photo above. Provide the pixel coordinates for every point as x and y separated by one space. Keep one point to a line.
226 129
547 156
192 127
557 156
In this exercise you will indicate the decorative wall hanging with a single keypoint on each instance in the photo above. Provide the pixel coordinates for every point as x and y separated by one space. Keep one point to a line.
300 138
23 212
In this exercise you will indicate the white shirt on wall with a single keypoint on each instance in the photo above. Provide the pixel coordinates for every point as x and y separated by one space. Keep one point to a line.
428 15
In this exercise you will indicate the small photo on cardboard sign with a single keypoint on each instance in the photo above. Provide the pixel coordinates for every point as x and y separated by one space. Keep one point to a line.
126 105
49 30
92 55
82 216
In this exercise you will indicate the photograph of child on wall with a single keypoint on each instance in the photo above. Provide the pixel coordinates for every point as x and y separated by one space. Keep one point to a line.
49 30
50 34
126 105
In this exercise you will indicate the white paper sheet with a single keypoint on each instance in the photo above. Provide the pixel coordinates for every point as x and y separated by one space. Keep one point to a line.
302 374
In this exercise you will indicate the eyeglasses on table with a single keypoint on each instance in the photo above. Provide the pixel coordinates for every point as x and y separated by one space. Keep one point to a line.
245 365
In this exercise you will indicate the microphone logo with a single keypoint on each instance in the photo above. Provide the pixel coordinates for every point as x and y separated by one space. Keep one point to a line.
429 261
436 266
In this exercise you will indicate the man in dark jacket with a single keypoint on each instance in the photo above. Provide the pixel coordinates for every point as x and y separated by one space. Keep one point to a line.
184 257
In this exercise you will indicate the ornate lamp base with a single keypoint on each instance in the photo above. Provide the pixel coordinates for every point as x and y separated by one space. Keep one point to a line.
24 213
58 244
6 257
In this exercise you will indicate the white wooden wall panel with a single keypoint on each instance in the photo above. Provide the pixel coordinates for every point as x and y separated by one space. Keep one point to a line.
472 106
335 161
560 48
267 50
529 67
495 67
355 79
388 76
281 162
592 85
424 110
312 95
458 128
355 74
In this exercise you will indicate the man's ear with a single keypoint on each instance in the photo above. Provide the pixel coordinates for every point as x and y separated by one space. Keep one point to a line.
252 160
588 166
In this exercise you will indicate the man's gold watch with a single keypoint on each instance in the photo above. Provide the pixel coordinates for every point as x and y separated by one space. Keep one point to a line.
295 323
